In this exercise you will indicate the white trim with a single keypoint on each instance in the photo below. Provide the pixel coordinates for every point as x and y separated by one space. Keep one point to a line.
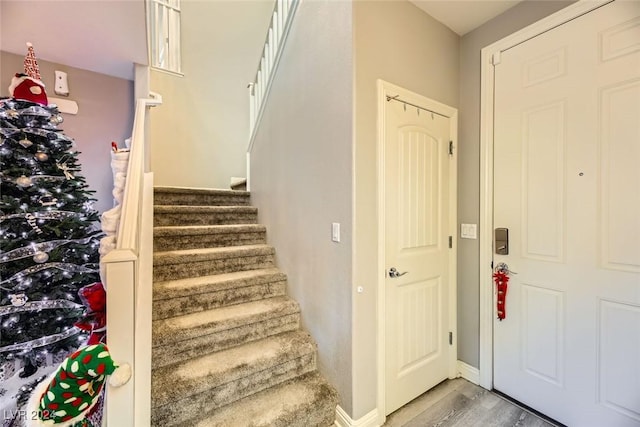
486 168
271 71
344 420
384 89
468 372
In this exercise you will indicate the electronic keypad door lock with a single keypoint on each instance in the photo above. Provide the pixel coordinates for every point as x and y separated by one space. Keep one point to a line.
501 241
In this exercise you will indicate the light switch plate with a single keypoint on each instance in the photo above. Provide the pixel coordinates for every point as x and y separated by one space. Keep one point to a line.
335 231
469 231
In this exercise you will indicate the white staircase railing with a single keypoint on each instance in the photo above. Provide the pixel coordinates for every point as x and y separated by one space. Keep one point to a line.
128 273
281 20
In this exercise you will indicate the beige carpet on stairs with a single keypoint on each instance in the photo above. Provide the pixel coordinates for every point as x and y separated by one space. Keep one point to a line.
228 349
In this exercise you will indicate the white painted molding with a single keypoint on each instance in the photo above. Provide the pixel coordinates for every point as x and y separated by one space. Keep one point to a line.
486 168
344 420
468 372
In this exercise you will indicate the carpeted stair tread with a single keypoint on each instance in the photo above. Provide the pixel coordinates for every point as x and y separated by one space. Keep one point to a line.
180 264
177 297
306 401
215 370
203 254
198 285
167 238
200 196
194 230
204 215
180 328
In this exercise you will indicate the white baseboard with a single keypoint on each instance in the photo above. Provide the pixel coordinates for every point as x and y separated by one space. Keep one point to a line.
469 372
344 420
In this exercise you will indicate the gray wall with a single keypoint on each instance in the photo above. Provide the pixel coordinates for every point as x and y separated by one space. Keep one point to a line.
471 44
301 178
200 133
105 114
397 42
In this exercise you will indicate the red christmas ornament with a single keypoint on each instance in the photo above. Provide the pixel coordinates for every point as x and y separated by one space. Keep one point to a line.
501 279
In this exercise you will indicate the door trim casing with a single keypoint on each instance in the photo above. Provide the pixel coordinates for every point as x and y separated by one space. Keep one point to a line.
487 87
384 89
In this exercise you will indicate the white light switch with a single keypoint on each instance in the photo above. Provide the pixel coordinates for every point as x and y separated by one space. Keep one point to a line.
335 231
469 231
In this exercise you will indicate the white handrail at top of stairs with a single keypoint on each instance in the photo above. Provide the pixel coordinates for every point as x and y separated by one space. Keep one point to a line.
281 19
128 273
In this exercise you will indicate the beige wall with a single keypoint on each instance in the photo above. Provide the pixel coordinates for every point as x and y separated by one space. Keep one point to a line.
301 182
105 114
200 134
509 22
397 42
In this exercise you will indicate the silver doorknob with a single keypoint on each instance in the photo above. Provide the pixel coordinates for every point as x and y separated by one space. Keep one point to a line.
395 273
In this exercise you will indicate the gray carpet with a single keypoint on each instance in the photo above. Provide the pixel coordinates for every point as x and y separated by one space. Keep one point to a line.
227 345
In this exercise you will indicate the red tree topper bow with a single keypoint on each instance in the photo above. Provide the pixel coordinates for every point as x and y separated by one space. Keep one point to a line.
501 279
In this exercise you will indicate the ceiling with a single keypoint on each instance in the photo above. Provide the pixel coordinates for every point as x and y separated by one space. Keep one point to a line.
463 16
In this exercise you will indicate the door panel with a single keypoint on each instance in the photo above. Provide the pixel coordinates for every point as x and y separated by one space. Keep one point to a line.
416 233
567 186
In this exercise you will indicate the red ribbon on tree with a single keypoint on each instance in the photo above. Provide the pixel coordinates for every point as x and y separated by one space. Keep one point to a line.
501 278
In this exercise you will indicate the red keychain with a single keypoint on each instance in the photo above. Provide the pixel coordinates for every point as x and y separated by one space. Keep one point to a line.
501 278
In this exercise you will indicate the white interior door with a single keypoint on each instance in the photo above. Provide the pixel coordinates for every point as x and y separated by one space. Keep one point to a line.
567 186
417 229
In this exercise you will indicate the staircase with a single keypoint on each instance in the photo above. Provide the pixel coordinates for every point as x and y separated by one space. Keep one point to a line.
227 345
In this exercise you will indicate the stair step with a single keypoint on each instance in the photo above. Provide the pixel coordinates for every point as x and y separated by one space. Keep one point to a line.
164 215
207 236
179 297
184 337
185 391
173 265
200 197
301 402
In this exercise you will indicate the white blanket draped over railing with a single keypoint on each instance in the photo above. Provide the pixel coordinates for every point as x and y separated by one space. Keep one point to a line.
128 279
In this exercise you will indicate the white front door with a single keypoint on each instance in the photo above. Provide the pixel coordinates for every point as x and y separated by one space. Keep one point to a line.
417 229
567 187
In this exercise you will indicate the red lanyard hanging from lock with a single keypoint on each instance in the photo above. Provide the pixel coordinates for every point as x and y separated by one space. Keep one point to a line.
501 279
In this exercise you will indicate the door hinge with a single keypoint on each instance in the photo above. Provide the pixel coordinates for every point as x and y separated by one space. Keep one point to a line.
450 338
451 148
450 242
496 58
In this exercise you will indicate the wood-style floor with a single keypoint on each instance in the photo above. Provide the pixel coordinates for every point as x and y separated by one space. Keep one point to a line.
459 403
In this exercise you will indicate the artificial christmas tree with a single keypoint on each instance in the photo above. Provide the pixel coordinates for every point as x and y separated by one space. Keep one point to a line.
49 239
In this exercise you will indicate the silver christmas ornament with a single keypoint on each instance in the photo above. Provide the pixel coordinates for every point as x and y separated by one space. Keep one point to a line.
18 300
57 119
41 257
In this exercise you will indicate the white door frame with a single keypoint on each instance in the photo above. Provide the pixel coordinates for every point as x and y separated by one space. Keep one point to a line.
384 89
490 55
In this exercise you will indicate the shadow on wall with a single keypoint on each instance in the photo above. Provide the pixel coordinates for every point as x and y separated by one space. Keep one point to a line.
105 114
